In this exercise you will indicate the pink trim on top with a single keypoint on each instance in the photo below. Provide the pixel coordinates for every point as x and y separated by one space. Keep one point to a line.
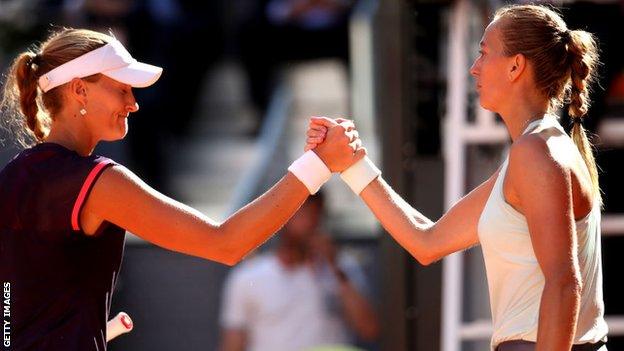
83 192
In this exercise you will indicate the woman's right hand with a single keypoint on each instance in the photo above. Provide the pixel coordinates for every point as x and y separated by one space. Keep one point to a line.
336 142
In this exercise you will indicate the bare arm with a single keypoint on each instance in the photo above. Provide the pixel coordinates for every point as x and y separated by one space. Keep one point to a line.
428 241
424 239
233 339
120 197
359 313
545 196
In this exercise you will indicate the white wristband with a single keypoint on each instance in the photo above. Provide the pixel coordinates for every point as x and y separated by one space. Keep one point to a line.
311 171
360 174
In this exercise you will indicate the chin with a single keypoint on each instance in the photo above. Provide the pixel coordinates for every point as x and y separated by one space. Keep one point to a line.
117 135
486 104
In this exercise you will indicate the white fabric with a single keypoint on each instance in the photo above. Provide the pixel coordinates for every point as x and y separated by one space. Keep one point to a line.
311 171
112 60
514 277
282 309
360 174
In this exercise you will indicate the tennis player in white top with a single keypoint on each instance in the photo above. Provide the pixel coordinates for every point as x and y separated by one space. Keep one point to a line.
538 216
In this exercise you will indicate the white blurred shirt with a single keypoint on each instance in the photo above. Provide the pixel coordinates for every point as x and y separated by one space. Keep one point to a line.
283 309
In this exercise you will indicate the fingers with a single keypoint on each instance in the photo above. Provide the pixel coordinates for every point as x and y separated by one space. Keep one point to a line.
347 125
316 121
314 138
352 135
317 133
323 121
355 145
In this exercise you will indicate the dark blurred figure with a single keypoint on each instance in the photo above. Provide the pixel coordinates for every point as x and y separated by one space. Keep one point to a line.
283 31
301 296
184 37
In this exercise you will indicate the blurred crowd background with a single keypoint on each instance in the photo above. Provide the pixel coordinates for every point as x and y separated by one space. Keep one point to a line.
240 79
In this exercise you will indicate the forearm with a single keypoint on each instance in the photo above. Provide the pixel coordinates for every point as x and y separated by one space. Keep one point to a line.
358 311
558 316
253 224
406 225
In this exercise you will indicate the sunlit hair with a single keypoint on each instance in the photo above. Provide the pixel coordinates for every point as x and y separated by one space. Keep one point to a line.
25 110
564 63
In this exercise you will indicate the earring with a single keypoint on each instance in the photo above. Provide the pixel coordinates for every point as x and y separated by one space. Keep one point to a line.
83 111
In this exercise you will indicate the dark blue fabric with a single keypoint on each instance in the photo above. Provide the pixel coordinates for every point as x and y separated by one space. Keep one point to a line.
61 280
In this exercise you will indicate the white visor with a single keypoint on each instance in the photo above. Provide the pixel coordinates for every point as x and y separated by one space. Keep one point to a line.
112 60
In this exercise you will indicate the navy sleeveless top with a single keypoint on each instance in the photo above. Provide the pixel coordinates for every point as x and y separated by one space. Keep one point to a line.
59 280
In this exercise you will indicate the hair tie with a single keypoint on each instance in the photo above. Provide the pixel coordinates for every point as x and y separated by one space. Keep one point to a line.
566 36
576 120
36 60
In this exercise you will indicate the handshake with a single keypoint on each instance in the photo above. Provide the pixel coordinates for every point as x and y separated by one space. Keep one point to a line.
333 145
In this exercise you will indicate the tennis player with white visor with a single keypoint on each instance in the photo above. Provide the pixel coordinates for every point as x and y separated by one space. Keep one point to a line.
64 210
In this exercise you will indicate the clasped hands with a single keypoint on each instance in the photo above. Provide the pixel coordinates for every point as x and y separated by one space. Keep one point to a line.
335 141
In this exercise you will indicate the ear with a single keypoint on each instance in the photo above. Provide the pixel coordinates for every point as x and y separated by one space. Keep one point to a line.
517 66
77 90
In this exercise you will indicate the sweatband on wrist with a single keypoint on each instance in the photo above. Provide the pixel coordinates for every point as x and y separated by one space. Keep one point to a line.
311 171
360 174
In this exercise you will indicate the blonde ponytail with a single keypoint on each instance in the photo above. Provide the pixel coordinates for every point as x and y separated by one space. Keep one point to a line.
19 103
583 57
26 112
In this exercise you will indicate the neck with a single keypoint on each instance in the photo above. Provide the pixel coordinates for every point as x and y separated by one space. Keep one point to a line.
521 114
71 138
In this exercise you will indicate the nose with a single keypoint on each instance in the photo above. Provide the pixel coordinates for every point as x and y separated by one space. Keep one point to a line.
474 68
132 106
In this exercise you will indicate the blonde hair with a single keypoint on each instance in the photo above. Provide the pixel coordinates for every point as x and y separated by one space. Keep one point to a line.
25 110
564 63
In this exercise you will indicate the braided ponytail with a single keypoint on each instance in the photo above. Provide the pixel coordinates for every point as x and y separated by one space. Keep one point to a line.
583 57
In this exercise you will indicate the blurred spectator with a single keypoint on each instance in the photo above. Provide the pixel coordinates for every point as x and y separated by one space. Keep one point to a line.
300 297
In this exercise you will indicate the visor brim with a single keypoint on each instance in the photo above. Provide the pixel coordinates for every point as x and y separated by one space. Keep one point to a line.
137 74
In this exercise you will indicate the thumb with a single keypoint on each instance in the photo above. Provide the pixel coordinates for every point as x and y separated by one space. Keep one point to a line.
359 154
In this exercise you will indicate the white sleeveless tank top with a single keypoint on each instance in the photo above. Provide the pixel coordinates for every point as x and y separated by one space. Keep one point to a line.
514 277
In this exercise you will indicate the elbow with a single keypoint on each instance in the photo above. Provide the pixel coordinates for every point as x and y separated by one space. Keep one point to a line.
223 249
231 257
567 286
424 253
230 262
424 260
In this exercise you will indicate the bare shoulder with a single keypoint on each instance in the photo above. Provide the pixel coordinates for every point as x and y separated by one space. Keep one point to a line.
533 154
119 175
119 181
119 192
535 173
